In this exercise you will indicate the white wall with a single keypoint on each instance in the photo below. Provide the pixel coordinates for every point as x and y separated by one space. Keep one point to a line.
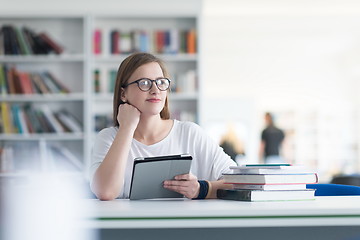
102 6
280 56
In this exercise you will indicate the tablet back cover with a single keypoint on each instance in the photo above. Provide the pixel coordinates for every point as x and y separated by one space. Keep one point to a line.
149 175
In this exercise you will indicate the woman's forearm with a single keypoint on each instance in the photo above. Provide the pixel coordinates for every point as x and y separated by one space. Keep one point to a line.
109 177
214 186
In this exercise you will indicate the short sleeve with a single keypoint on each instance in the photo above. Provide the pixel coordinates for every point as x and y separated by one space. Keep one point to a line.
101 146
211 160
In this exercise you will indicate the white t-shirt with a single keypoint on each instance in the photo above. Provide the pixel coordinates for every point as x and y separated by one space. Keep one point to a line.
209 160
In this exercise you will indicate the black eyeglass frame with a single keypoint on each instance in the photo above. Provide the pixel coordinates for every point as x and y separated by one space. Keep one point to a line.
152 81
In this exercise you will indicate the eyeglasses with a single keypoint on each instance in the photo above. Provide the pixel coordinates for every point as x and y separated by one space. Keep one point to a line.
145 84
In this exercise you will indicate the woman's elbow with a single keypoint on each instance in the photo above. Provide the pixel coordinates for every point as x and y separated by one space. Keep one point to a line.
103 194
105 197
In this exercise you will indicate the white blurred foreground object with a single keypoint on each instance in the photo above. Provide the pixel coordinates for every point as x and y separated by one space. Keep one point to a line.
43 207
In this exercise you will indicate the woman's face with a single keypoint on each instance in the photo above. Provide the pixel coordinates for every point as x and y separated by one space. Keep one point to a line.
152 101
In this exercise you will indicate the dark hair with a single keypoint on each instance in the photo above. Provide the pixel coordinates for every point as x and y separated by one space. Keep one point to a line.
270 118
126 69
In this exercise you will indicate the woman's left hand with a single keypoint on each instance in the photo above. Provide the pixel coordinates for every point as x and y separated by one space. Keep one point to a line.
185 184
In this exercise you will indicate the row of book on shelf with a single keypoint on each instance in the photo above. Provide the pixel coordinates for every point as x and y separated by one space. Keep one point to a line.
170 41
13 81
25 41
104 81
17 157
268 182
25 119
185 82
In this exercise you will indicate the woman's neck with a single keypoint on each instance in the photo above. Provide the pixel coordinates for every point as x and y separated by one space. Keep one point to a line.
151 130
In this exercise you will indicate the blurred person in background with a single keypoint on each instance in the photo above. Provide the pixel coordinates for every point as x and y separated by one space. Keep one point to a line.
272 138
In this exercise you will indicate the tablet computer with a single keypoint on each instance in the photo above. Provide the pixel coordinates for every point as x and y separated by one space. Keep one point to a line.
149 173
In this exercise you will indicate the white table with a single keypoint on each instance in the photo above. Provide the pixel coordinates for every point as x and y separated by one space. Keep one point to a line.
339 213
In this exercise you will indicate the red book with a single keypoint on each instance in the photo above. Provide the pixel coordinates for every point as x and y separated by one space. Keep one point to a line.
16 81
97 41
115 42
160 41
55 46
11 81
25 83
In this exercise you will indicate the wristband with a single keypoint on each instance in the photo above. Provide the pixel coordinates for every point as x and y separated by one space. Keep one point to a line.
203 191
209 189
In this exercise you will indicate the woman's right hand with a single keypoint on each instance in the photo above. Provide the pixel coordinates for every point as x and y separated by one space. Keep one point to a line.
128 116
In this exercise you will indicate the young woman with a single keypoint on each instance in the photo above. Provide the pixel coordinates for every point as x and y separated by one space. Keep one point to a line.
143 128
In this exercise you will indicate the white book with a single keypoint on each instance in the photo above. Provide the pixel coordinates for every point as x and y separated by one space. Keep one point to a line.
7 159
52 120
22 120
174 41
293 178
69 121
270 186
269 169
125 42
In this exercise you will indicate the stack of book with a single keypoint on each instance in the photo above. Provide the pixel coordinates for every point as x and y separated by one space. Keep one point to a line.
268 182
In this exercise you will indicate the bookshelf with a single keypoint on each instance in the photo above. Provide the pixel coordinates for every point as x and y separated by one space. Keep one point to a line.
26 149
75 67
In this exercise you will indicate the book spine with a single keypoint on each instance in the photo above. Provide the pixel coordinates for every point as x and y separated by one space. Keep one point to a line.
39 83
2 49
49 83
97 41
112 80
233 195
6 159
16 116
25 83
27 120
23 46
6 118
7 40
125 42
34 120
97 88
62 88
46 127
17 81
70 121
3 87
29 39
114 38
51 119
50 42
191 41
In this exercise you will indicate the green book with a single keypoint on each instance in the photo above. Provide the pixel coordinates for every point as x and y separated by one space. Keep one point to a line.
24 47
112 80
